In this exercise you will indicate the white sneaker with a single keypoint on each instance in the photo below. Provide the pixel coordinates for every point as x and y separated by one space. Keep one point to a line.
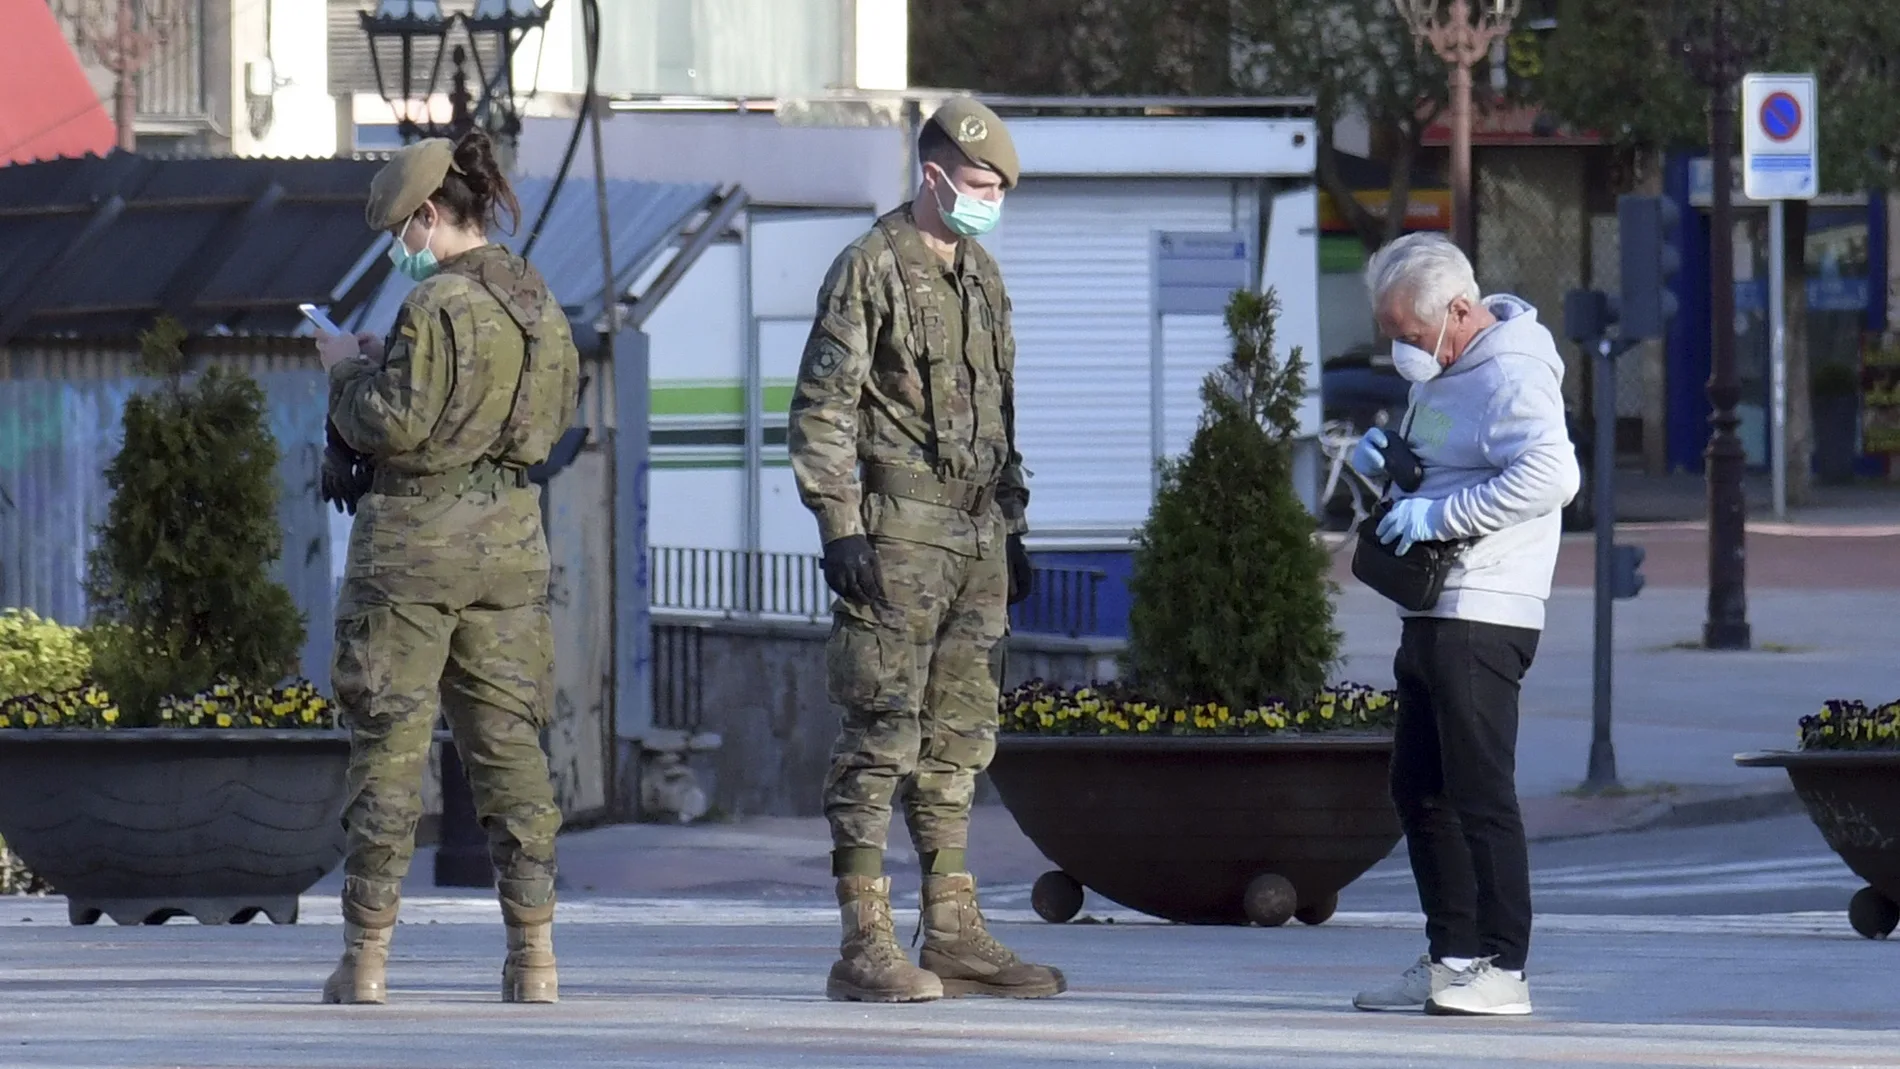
1412 991
1484 990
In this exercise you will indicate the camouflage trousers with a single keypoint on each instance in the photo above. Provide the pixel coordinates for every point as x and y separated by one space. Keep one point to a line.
918 686
444 606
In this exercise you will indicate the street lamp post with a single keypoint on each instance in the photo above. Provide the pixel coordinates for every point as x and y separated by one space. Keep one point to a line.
1717 58
461 857
1461 40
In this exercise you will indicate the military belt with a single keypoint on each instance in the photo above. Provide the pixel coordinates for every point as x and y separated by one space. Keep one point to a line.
973 498
482 477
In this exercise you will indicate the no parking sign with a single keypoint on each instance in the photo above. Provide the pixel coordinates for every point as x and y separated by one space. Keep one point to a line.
1779 159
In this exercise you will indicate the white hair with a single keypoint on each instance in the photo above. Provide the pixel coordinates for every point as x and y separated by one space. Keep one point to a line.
1426 267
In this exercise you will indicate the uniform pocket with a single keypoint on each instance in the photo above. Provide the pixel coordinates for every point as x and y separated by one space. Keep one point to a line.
359 670
868 669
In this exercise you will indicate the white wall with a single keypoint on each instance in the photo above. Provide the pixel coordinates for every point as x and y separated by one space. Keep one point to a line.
819 167
288 42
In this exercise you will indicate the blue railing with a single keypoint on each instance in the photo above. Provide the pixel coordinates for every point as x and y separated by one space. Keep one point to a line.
736 583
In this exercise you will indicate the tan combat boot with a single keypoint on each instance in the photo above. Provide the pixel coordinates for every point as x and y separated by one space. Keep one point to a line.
369 920
871 966
960 950
528 974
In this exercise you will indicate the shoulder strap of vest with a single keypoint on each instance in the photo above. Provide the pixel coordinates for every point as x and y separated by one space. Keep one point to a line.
522 302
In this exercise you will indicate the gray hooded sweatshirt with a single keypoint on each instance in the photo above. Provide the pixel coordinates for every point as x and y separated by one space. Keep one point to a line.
1499 467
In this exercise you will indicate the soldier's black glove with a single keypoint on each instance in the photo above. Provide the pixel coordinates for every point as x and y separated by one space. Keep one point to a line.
346 474
851 570
1022 577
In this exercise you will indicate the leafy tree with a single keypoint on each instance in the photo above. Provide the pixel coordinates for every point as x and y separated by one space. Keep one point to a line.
1073 47
1623 70
1232 590
1354 57
180 582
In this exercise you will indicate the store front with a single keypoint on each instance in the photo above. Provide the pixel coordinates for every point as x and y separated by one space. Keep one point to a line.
1845 254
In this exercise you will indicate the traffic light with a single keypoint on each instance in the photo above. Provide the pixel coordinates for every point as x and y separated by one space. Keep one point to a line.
1626 572
1588 315
1648 230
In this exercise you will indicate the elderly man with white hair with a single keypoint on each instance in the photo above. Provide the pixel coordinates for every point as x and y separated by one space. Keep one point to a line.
1486 422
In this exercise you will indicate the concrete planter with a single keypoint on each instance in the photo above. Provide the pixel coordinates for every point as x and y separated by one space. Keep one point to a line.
1214 830
1853 797
146 824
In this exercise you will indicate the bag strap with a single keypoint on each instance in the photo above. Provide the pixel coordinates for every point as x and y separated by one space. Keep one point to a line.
1405 430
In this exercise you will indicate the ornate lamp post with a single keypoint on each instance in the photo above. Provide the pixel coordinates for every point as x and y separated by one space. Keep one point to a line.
1718 56
1461 37
405 34
409 30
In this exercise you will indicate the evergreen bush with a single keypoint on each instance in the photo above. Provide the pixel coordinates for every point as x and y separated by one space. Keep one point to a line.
1232 589
179 583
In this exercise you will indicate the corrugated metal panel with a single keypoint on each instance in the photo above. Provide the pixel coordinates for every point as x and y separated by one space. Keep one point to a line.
57 435
645 218
1077 258
171 85
223 244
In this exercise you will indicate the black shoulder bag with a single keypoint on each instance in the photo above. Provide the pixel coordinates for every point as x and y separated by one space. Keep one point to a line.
1415 580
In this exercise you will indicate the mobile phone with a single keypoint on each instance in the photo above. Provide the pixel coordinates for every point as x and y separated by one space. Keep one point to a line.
316 316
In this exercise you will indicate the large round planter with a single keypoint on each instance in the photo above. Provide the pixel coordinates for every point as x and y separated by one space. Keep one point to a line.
1201 830
145 824
1853 797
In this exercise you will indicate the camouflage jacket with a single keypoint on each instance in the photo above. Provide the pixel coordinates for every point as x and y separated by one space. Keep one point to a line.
456 383
903 417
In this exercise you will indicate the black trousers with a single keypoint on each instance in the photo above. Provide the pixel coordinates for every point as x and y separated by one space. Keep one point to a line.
1454 769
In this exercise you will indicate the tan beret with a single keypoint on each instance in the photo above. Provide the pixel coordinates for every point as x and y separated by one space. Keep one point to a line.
410 178
981 135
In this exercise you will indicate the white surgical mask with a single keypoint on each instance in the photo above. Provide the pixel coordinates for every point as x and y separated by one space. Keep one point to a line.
1414 363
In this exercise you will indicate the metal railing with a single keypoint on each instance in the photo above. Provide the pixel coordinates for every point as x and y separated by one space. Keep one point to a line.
1061 601
735 583
678 699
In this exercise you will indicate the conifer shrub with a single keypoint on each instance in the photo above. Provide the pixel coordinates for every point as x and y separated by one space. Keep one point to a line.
1232 589
180 583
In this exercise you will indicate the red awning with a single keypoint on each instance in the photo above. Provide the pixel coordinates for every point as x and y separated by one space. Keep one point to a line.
47 107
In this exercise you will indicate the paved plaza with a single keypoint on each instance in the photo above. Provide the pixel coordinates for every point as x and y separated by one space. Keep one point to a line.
718 982
1722 945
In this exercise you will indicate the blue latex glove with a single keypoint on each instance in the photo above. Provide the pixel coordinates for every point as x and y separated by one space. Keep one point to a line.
1366 458
1409 522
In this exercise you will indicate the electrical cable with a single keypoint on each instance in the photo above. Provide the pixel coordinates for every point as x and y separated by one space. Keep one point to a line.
590 28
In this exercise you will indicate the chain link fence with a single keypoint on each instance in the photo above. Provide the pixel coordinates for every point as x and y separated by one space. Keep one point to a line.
1546 224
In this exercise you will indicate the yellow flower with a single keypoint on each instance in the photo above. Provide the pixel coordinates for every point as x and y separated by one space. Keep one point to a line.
224 720
110 716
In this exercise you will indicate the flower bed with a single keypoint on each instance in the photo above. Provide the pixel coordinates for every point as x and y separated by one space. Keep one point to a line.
296 705
1851 725
1039 708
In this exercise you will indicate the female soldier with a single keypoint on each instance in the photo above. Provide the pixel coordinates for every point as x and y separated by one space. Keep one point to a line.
445 593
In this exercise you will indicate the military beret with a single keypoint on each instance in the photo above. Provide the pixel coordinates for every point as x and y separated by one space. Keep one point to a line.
981 135
410 178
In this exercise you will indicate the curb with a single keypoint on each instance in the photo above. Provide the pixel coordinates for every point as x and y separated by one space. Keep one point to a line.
1733 809
1729 808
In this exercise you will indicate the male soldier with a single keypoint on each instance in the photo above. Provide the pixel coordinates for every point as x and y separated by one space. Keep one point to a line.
903 444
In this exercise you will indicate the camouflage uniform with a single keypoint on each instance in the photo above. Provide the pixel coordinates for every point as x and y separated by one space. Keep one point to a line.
444 599
902 430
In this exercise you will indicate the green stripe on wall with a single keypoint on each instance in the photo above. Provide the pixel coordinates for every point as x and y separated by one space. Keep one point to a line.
710 464
716 399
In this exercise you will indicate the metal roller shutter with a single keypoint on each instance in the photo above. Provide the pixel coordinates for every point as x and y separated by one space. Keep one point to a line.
1077 257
